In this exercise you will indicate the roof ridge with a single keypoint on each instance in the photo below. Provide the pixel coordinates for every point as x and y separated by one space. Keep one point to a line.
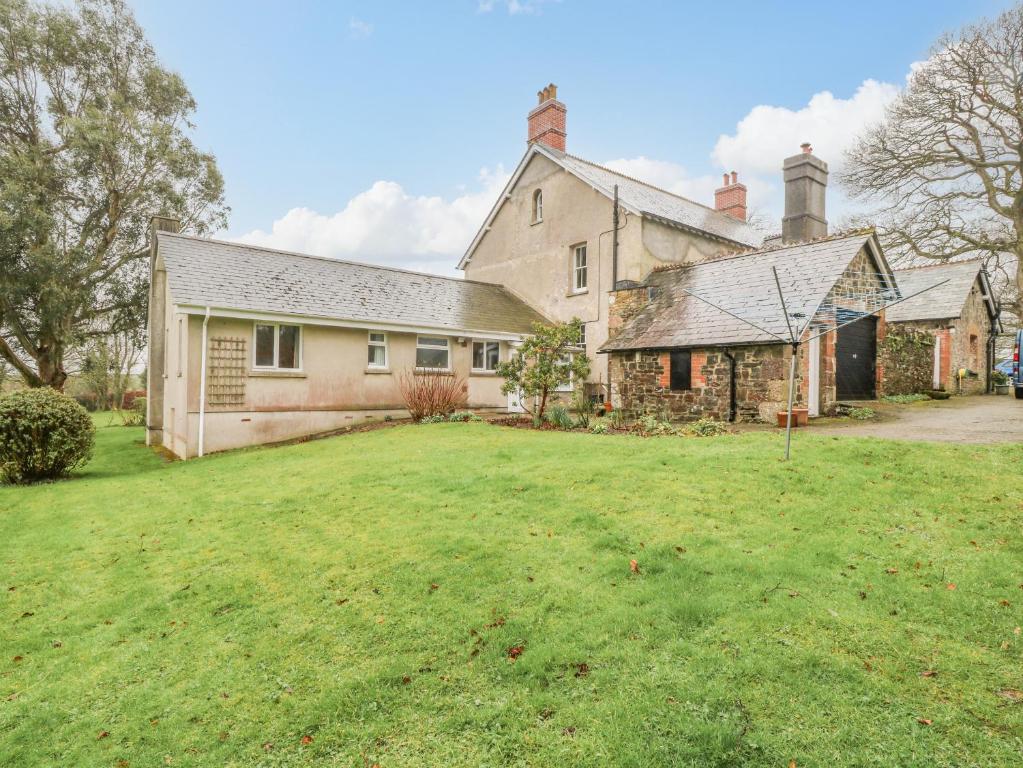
282 252
652 186
977 260
861 232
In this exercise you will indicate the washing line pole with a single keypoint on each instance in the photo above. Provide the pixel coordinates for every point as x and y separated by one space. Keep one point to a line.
794 342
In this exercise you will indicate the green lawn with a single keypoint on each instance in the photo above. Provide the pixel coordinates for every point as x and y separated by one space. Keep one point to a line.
358 601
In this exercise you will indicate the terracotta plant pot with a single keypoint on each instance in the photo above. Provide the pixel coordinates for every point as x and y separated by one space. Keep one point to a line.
800 417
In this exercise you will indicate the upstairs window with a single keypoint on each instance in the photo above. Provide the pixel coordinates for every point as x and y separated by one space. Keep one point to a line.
582 336
580 271
681 370
377 350
432 353
485 355
278 346
537 206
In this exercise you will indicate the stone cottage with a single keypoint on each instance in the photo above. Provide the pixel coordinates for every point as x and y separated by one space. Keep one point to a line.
682 348
958 310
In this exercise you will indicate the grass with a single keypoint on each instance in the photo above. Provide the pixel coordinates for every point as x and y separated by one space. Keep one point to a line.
461 594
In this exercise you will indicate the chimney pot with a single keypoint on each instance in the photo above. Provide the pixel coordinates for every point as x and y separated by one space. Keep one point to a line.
735 177
807 149
724 181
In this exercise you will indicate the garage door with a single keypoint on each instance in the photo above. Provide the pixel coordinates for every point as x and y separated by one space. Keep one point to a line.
855 354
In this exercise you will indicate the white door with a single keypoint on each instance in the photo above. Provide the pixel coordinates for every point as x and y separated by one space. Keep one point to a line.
814 375
515 397
937 363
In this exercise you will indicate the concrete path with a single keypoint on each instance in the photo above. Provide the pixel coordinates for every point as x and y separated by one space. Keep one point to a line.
978 419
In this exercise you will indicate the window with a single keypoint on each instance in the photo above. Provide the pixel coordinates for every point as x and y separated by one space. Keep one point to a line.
681 370
277 346
579 269
377 350
432 352
485 355
582 336
537 206
568 386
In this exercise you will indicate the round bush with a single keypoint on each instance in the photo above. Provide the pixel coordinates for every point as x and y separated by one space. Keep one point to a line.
43 435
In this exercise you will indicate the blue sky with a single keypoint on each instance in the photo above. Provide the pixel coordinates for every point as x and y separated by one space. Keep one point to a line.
373 122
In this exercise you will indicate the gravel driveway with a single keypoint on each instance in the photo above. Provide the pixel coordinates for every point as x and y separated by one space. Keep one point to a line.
978 419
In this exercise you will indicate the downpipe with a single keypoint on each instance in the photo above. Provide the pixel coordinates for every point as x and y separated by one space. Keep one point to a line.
202 386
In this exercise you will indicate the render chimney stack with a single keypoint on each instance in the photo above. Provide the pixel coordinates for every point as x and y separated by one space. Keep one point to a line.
547 120
730 198
806 181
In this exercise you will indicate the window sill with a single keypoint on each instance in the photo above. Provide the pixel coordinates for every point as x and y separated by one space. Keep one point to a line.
439 371
276 374
475 372
371 369
580 292
534 223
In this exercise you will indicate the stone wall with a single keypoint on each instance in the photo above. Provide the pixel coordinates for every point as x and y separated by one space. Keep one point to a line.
906 360
642 381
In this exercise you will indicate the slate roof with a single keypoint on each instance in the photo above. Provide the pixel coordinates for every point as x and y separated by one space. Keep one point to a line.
234 276
744 285
941 302
634 195
660 204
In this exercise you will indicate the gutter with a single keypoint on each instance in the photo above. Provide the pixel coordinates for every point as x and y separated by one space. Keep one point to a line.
202 386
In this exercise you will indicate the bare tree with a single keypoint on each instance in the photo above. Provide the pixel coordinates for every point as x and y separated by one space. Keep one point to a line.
945 163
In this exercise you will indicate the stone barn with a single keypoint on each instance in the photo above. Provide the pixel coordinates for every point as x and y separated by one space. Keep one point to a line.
955 306
680 347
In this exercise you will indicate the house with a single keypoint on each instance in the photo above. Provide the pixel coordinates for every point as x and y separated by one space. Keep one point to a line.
958 309
709 339
554 240
252 345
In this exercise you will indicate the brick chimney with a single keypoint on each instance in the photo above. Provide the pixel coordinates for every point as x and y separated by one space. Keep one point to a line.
547 119
730 198
806 181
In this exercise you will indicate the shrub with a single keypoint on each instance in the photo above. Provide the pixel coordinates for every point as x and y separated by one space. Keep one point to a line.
464 416
617 418
653 425
997 377
582 406
434 419
705 428
862 413
559 417
136 415
432 393
600 428
128 398
43 435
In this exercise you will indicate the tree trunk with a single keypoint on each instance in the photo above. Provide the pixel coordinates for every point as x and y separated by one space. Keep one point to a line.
51 365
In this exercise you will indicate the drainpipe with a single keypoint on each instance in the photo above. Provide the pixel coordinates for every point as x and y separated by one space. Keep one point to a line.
732 409
614 244
202 386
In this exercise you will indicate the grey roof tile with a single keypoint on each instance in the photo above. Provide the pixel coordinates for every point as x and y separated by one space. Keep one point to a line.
660 203
938 302
744 285
234 276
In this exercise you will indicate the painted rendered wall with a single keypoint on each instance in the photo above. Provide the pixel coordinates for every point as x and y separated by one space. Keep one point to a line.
334 389
534 260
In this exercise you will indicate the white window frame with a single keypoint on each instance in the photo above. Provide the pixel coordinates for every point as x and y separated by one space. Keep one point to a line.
582 333
370 344
420 345
537 206
584 269
472 360
570 386
277 342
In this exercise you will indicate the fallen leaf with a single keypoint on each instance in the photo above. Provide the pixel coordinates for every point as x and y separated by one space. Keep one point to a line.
924 720
268 746
515 651
634 566
16 659
307 739
222 735
792 764
341 601
57 643
950 586
1004 603
435 586
891 571
1011 694
582 669
102 735
406 680
569 731
929 673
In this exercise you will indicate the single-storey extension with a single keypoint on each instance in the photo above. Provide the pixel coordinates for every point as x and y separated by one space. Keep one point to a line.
958 309
251 345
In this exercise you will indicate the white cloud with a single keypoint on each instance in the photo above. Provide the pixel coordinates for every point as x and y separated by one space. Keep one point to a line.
768 134
514 7
386 225
359 29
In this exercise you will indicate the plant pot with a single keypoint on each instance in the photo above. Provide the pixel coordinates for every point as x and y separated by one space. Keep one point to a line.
1001 389
938 394
800 417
